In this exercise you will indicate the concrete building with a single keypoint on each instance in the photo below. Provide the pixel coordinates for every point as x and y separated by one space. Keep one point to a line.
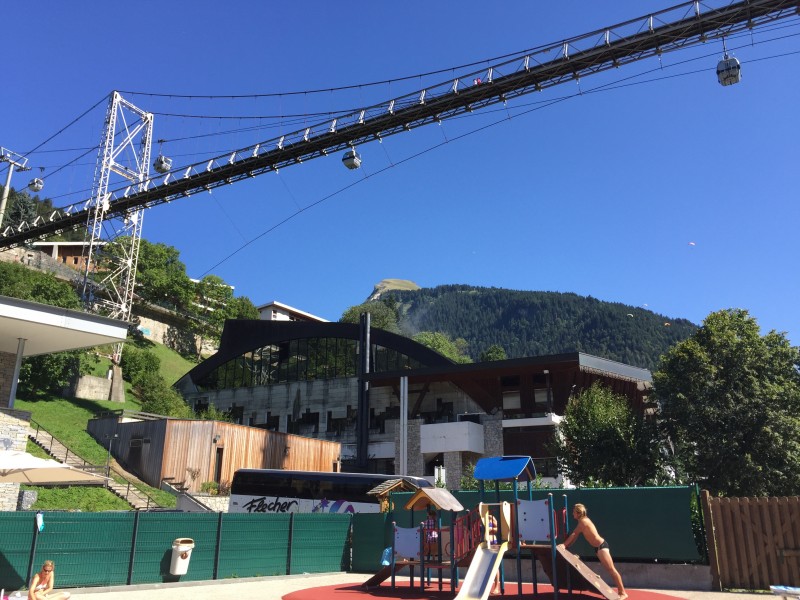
307 378
278 311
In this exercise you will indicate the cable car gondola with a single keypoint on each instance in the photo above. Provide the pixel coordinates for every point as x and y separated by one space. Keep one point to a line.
351 159
729 70
36 184
162 164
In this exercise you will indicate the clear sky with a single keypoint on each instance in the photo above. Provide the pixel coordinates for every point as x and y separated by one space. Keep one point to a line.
651 185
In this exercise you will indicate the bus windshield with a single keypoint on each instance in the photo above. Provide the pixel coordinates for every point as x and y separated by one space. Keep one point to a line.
277 491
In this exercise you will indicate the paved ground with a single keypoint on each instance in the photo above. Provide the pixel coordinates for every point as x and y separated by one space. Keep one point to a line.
276 587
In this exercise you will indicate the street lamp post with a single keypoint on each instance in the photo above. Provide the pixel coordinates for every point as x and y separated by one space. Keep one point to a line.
110 439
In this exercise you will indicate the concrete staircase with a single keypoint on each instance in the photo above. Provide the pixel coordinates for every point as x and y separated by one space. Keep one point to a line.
127 491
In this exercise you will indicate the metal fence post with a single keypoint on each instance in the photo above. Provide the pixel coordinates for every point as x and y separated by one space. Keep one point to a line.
133 546
219 544
289 545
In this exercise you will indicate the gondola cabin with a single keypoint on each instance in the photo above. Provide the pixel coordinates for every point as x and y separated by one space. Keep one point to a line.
351 159
163 164
36 185
729 71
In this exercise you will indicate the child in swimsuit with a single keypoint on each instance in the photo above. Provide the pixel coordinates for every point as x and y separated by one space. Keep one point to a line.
43 582
600 545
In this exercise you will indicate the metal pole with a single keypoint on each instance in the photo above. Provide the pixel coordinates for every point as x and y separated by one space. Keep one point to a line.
111 439
17 367
362 416
403 426
6 190
132 560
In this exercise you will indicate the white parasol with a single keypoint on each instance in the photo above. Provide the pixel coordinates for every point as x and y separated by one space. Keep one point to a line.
21 467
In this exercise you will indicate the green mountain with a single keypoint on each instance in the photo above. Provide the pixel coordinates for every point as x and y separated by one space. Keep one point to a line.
537 323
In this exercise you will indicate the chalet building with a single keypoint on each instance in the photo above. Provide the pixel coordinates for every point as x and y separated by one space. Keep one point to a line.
70 254
309 378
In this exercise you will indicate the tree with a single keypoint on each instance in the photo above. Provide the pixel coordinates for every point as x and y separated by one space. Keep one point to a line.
17 281
21 208
382 316
47 372
730 403
212 296
602 441
136 362
161 276
455 350
241 307
158 398
493 352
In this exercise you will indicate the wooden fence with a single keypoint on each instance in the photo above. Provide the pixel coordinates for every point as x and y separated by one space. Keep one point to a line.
752 542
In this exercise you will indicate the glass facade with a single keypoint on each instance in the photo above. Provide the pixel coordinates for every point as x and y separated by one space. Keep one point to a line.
303 359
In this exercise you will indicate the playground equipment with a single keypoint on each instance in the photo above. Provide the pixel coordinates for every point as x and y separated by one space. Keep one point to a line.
488 558
530 527
537 527
408 543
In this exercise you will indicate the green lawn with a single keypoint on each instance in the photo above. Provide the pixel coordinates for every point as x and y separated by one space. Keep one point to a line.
66 419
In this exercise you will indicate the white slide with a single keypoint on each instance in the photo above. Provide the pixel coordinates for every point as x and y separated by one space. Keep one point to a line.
481 573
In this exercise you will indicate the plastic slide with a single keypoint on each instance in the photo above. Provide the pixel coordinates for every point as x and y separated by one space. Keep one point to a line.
481 573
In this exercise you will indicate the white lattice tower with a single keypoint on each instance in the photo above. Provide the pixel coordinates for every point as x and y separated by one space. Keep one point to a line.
111 251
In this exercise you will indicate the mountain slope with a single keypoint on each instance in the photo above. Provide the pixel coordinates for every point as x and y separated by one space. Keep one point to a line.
538 323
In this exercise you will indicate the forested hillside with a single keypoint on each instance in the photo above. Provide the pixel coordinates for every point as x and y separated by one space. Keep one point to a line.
536 323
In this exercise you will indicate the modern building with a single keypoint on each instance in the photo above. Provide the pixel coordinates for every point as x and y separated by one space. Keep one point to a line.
309 378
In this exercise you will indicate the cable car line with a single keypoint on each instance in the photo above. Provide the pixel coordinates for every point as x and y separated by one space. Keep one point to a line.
432 104
611 86
416 155
298 117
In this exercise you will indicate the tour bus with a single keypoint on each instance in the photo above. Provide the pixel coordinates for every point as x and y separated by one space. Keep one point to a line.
278 491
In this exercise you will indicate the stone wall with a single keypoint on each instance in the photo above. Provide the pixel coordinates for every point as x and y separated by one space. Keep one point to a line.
492 434
7 362
215 503
14 427
90 387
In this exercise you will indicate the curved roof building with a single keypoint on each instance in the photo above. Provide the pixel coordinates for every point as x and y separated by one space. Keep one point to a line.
311 379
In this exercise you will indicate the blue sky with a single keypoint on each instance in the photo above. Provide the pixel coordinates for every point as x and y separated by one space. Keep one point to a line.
670 191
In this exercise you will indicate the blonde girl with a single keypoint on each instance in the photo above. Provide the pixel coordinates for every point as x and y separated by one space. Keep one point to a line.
43 582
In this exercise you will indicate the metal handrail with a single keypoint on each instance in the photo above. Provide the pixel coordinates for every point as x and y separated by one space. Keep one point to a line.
91 467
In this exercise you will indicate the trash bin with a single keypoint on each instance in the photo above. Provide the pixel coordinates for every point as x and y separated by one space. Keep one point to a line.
181 554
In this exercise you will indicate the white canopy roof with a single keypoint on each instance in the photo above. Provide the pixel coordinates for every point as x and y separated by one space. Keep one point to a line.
47 329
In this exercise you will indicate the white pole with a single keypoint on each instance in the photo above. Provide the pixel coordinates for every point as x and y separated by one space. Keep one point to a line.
17 366
5 191
404 426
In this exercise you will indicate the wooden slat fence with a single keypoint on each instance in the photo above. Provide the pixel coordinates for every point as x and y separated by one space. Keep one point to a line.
753 542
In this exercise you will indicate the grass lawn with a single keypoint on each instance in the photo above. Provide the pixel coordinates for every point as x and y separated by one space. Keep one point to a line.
66 419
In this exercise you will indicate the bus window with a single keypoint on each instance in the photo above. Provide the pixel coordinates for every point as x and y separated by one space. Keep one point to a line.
276 491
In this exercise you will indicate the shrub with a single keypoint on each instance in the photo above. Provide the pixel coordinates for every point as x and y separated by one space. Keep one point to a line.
136 363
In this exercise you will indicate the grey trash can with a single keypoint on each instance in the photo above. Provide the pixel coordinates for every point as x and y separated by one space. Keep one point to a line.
181 554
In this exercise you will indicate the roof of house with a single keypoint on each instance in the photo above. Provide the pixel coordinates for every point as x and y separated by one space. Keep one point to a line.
290 309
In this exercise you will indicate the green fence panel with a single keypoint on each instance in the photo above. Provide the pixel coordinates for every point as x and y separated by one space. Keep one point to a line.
154 539
320 543
89 549
648 523
253 545
15 548
372 532
652 523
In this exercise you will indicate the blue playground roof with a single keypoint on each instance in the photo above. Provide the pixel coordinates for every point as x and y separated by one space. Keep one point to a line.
505 468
